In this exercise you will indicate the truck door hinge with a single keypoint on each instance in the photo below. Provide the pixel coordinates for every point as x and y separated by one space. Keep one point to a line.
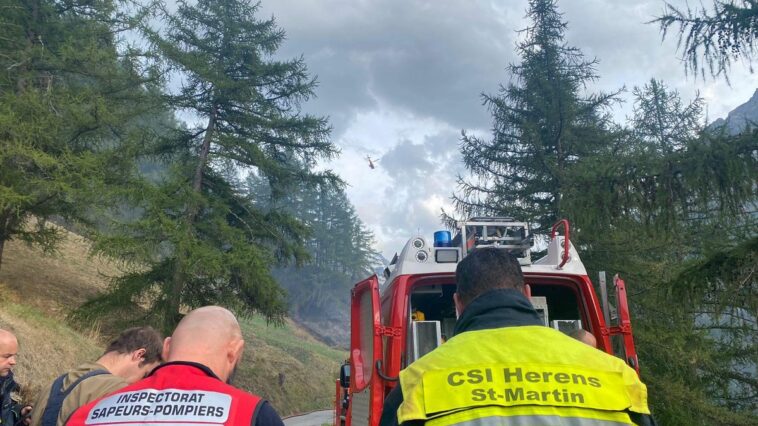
388 331
622 329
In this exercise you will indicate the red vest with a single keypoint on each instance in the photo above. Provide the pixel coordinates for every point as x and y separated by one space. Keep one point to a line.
176 393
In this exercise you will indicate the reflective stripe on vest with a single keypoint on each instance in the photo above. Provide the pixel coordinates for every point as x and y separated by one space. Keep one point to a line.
526 416
537 420
523 372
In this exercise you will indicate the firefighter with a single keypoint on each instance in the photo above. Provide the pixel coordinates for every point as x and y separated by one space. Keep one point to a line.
11 412
503 367
192 387
128 358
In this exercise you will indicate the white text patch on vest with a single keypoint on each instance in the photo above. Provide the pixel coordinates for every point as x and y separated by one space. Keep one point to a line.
166 405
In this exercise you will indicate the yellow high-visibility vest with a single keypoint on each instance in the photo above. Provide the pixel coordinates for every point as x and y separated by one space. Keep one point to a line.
531 375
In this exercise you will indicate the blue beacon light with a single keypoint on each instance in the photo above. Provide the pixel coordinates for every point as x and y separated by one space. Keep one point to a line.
442 239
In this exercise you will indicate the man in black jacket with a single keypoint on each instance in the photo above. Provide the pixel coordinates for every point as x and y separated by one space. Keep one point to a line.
11 412
490 299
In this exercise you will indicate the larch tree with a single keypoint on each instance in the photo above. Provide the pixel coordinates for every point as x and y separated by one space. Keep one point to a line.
713 39
661 207
340 252
665 202
200 239
68 90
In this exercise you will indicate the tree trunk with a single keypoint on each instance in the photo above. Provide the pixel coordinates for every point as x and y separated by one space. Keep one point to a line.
205 149
2 246
5 231
178 280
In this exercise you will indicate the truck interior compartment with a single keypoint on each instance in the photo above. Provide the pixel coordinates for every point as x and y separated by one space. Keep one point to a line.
431 318
435 303
562 305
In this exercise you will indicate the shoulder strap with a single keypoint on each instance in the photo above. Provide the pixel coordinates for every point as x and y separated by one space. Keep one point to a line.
58 394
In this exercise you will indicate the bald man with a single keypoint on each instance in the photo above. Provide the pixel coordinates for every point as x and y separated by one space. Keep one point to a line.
192 387
11 412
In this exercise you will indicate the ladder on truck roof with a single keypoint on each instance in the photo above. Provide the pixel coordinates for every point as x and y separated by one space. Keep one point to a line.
499 232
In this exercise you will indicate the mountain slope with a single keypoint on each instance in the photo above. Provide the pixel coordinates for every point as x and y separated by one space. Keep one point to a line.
745 115
285 365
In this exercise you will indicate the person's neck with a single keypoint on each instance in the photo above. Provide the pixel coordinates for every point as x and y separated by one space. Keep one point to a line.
112 362
210 363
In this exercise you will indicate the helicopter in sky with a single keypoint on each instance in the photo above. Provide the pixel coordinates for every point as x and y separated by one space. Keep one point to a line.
371 162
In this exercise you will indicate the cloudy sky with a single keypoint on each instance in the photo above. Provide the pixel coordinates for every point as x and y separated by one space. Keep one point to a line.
400 79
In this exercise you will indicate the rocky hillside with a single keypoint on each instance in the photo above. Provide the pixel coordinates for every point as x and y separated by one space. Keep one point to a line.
742 117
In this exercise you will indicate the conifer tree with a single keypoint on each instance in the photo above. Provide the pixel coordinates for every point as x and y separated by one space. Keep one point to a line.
713 39
543 123
67 93
201 240
340 253
664 202
668 208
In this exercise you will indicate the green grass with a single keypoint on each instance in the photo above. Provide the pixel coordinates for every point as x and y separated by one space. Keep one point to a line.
289 338
288 367
47 347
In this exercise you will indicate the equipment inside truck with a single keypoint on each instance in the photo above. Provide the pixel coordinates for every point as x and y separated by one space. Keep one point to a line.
561 305
432 318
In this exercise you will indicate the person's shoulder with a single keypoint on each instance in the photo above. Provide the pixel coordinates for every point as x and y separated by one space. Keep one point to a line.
88 368
101 385
97 384
266 415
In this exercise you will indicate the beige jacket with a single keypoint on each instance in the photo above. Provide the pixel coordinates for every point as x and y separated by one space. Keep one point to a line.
89 390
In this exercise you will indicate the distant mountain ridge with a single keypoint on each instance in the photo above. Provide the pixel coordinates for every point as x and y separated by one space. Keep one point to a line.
743 117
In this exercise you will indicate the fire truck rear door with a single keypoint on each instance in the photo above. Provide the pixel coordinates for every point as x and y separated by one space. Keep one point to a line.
365 350
624 327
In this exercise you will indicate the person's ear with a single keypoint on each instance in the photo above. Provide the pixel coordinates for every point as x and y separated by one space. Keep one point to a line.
166 348
235 351
458 305
527 291
139 354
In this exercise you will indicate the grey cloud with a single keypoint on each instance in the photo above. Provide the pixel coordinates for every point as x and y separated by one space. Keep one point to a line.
435 58
406 162
418 172
431 58
425 63
438 154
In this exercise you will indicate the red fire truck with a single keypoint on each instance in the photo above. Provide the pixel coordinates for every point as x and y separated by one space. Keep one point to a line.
412 313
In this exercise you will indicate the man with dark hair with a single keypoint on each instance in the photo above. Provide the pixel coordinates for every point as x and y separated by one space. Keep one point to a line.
504 367
11 411
485 270
128 358
193 386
